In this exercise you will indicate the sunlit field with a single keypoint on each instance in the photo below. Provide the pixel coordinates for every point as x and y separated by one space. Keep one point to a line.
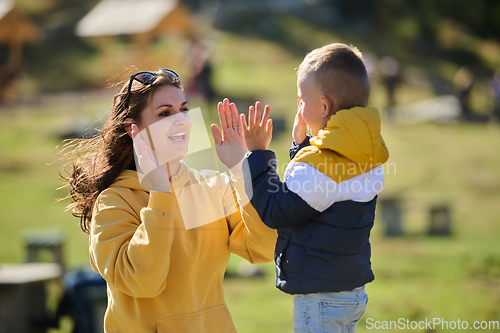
418 277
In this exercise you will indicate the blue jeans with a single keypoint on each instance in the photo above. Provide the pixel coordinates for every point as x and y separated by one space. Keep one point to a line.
329 312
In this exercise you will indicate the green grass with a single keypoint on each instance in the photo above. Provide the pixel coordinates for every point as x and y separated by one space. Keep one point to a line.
417 276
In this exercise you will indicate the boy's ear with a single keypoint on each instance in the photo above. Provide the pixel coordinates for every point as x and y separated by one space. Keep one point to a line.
329 106
128 125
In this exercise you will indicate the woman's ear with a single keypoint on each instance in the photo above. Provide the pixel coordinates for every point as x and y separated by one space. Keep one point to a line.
128 126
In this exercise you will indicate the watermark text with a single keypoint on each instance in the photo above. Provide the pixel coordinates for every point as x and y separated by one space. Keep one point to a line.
430 324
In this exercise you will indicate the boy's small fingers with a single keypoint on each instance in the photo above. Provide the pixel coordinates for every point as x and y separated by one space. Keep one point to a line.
265 116
257 112
301 119
251 117
269 127
243 123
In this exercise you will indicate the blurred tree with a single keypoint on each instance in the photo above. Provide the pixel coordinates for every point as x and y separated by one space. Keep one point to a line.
445 29
16 30
57 63
452 30
480 17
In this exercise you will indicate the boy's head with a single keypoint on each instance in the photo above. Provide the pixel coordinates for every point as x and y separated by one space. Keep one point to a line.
329 79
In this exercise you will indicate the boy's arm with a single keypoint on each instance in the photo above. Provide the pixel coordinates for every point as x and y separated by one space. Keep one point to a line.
306 192
277 206
294 149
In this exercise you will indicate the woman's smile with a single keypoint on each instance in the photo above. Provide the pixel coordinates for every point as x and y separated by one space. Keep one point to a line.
179 137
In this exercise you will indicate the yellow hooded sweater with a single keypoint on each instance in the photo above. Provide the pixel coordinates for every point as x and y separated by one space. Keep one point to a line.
163 255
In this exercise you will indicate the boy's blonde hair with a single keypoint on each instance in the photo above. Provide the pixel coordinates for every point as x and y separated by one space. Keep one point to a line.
340 72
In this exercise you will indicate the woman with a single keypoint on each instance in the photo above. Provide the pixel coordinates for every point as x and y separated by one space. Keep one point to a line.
161 236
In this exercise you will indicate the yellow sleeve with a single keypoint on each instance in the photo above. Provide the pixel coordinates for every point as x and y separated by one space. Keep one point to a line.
132 252
249 237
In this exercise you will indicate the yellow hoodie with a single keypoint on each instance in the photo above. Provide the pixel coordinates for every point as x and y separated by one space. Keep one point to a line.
165 275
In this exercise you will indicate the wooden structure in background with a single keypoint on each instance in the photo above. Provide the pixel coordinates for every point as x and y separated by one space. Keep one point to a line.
143 21
439 220
392 216
16 30
44 241
23 296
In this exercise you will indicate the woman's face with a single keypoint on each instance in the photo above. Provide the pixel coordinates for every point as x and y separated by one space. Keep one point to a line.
165 124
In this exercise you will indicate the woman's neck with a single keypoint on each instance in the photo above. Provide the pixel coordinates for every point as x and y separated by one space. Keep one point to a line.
172 168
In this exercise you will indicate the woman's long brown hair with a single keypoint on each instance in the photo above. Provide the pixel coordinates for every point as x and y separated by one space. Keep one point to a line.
96 162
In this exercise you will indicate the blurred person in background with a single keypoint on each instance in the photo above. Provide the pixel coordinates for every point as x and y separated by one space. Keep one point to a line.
390 72
161 275
495 85
201 70
463 82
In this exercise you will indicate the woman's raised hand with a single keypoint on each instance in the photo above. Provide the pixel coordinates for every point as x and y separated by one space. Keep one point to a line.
229 140
152 176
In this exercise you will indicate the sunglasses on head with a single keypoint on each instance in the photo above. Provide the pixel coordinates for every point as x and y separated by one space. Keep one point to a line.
147 78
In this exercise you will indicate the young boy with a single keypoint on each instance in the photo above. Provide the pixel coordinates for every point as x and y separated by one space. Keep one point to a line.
324 210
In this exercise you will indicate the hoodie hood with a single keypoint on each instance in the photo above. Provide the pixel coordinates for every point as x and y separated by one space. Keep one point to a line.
355 134
351 137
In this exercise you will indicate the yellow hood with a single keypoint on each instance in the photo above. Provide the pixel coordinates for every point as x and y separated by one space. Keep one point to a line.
352 138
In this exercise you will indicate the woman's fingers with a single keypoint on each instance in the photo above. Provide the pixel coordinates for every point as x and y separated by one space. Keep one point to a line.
147 151
234 115
143 152
222 115
269 127
141 147
216 134
227 113
251 117
135 131
137 139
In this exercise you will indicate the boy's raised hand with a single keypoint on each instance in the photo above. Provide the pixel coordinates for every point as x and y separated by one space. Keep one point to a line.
258 133
299 132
